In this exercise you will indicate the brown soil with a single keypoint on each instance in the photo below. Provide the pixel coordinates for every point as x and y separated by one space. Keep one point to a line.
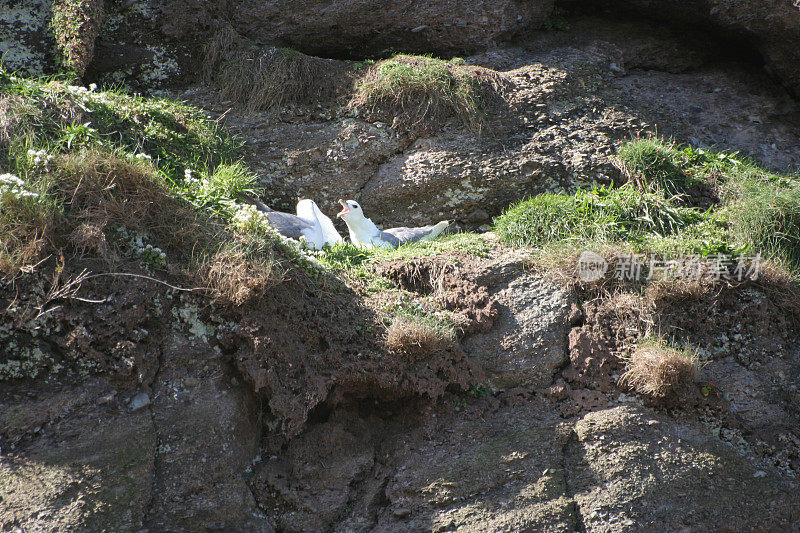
449 281
597 347
324 344
341 433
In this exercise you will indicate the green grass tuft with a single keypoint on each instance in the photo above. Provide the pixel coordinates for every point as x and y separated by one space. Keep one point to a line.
419 335
26 220
654 164
767 215
757 211
222 190
419 92
349 257
604 214
356 262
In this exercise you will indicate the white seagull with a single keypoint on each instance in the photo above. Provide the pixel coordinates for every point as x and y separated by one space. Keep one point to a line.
364 232
310 224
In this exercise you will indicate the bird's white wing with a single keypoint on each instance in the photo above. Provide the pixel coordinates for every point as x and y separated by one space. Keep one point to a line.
323 231
313 235
329 233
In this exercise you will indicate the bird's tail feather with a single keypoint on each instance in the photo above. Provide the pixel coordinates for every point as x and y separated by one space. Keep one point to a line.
437 230
261 206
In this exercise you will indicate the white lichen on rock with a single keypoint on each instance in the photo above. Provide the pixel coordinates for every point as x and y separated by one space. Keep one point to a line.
161 68
189 314
23 26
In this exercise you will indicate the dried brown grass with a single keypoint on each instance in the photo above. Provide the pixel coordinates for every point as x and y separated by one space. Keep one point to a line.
264 79
782 289
660 372
561 265
234 275
11 113
100 189
90 238
25 229
417 339
778 284
665 292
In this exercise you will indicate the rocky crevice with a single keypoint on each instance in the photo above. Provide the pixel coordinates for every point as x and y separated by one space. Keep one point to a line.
569 453
150 508
405 143
762 33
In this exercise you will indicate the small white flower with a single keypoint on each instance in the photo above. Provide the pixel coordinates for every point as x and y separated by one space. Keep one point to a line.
14 185
11 180
26 194
92 86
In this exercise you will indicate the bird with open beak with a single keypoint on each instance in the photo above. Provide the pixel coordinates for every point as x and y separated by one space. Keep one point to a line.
364 232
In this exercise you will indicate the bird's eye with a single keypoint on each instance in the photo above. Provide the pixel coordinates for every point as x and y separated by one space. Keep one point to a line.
355 206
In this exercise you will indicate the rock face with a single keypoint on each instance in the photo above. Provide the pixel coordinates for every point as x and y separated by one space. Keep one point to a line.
569 98
528 344
159 439
96 474
173 464
771 26
285 413
494 467
26 44
358 28
633 470
208 434
156 42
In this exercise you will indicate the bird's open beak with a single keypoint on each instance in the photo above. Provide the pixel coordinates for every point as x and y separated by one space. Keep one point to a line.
345 209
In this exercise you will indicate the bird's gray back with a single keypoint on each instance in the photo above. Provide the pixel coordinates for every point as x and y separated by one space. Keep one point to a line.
405 235
288 225
391 239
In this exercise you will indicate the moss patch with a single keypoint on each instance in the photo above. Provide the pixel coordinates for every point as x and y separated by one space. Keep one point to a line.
76 24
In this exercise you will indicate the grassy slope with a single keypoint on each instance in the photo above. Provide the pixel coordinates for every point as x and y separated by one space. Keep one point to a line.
47 128
125 178
758 211
157 183
149 180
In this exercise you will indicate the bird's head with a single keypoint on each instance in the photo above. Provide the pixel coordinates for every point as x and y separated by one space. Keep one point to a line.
350 209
